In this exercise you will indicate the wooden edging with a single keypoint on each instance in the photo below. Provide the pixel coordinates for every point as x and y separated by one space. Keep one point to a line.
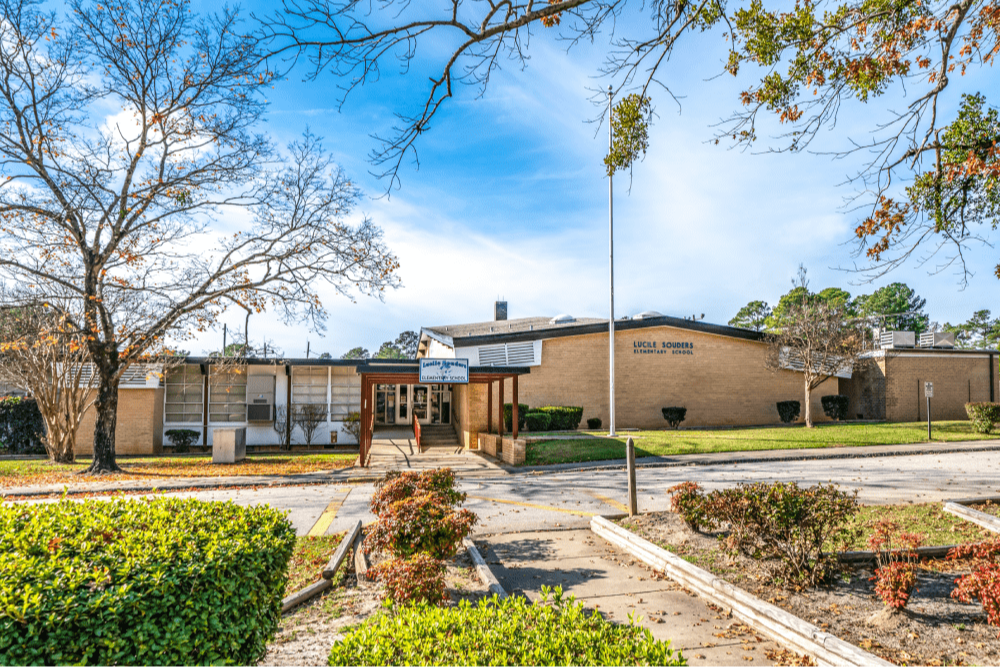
987 521
317 587
485 573
762 616
341 552
866 556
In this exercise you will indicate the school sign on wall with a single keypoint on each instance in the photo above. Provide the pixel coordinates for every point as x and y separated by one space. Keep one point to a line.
662 347
439 371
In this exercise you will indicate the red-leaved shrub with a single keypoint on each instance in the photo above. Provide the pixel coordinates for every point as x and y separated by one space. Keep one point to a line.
419 578
688 500
895 577
983 583
416 514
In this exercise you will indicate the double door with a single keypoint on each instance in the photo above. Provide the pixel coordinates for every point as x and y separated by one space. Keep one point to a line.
400 403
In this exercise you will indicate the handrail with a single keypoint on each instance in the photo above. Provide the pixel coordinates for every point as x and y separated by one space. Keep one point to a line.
416 431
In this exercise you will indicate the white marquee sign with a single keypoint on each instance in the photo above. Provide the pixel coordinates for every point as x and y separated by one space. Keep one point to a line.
455 371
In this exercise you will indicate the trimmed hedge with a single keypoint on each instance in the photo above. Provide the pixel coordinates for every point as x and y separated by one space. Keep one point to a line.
538 421
594 423
674 416
21 426
140 582
788 411
182 439
835 406
983 416
507 631
563 418
508 416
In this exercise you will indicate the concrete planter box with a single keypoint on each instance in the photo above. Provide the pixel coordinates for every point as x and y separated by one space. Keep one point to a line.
229 445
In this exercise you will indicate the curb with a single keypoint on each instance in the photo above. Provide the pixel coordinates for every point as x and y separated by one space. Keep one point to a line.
762 616
987 521
485 573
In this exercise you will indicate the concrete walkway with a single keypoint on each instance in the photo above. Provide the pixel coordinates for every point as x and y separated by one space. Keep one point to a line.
612 582
396 449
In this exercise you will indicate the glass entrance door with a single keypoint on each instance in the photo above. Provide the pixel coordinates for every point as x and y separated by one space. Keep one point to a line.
385 404
418 404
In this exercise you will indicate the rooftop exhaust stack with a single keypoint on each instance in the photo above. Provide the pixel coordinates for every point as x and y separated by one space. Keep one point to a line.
500 311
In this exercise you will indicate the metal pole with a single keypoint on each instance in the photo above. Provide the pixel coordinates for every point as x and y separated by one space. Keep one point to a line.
928 417
633 494
611 250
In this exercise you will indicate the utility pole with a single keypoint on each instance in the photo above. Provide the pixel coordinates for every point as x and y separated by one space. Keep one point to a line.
223 339
611 252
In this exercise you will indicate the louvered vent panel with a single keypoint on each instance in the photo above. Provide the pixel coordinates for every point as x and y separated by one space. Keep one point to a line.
520 354
135 375
492 355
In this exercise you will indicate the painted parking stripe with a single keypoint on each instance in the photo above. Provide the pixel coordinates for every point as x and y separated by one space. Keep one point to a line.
326 518
609 501
533 505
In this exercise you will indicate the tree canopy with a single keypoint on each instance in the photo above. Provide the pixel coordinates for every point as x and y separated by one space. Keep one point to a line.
928 153
122 213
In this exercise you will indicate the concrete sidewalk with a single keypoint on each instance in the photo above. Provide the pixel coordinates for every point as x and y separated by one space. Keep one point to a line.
612 582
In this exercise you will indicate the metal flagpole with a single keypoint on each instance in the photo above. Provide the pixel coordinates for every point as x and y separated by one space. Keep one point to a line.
611 250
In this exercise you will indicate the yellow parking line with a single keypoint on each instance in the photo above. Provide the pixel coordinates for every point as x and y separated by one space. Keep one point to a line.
326 518
539 507
610 501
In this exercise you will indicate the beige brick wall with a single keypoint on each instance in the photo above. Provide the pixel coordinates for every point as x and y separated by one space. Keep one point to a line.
469 412
140 424
720 380
957 378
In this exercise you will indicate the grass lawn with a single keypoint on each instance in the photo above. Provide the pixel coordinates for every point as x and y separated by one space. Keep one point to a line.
309 558
670 442
938 527
24 473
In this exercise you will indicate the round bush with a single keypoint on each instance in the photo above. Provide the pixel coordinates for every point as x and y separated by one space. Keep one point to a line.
674 416
140 582
594 423
788 411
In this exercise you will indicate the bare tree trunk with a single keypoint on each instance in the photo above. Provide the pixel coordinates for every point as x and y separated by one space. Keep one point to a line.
808 405
106 406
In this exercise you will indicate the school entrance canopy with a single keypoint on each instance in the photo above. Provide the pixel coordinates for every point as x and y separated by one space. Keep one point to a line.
407 372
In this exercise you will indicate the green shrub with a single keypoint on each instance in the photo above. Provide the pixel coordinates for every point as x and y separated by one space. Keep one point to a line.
563 418
182 438
538 421
140 582
983 416
594 423
416 514
508 631
687 500
21 426
784 522
674 416
418 578
835 406
788 411
508 416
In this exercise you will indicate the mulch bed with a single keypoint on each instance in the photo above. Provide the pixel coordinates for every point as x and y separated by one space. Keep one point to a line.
934 629
308 632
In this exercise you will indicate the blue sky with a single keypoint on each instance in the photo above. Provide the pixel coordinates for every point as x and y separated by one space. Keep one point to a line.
510 201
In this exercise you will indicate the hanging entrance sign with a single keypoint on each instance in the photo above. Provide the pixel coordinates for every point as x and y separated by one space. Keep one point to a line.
454 371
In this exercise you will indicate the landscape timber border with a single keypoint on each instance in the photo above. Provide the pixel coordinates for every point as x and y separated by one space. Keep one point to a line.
762 616
483 569
326 581
959 507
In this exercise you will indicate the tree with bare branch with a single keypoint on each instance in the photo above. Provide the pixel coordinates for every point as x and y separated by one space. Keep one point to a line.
818 340
42 353
309 417
130 133
930 164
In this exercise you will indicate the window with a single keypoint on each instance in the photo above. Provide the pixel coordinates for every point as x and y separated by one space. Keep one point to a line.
227 395
345 393
309 386
183 395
